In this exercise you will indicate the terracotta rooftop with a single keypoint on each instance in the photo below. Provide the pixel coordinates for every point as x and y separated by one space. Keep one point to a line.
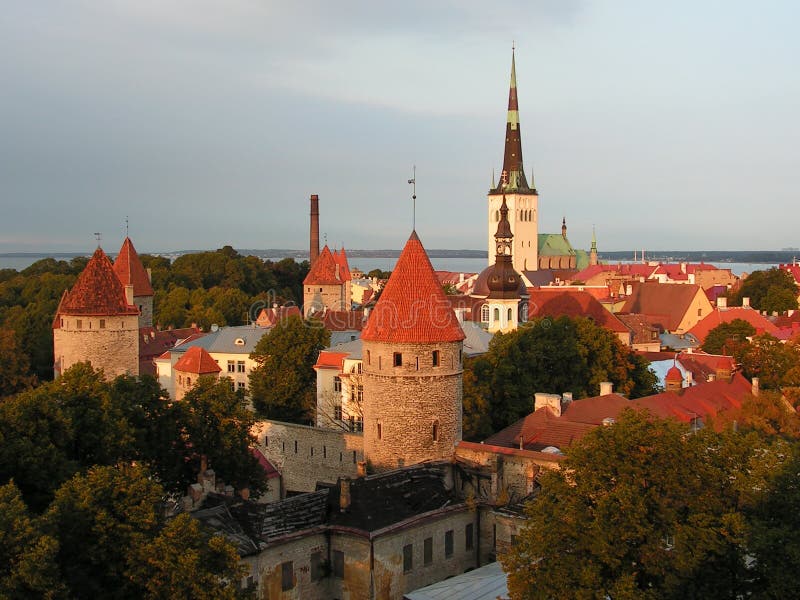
196 360
413 306
98 291
130 270
726 315
330 360
268 317
666 303
326 270
546 302
341 259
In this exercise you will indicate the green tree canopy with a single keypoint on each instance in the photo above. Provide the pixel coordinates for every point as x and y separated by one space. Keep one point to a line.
726 337
547 355
771 290
283 384
640 509
775 364
15 373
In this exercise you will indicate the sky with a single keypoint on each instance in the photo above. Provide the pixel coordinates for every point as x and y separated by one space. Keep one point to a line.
665 125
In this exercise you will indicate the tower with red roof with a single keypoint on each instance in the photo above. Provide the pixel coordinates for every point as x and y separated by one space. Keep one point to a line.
196 362
327 285
136 280
96 322
412 368
522 197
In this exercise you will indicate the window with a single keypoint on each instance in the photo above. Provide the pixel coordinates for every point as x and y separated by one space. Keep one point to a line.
355 459
233 386
337 412
317 570
240 366
699 312
408 558
102 323
240 385
79 324
359 368
485 313
380 431
435 358
287 576
510 318
496 314
369 357
435 431
266 441
427 551
448 543
417 363
356 424
295 446
398 358
188 381
231 366
468 537
360 394
337 384
338 564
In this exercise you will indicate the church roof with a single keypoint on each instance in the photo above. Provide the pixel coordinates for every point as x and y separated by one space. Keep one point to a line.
130 270
413 306
197 360
326 270
98 291
554 244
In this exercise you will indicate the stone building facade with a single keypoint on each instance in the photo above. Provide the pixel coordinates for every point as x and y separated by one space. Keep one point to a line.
327 285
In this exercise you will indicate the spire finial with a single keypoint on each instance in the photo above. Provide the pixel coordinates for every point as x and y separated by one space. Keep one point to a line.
98 236
325 237
126 226
413 183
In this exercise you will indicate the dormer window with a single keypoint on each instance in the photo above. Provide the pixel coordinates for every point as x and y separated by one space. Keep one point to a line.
239 341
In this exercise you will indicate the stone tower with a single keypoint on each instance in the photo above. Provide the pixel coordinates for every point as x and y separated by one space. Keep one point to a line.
327 285
522 198
136 280
504 299
593 259
412 361
194 364
95 322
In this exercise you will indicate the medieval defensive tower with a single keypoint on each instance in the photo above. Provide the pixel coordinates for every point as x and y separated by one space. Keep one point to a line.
135 277
97 323
412 361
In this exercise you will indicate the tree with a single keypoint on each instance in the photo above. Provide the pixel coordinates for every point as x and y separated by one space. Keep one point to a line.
548 355
217 424
99 519
767 290
27 557
14 365
640 509
774 363
183 561
726 337
283 384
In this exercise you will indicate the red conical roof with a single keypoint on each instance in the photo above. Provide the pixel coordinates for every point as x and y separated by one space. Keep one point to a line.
197 360
130 270
98 291
326 270
413 306
674 374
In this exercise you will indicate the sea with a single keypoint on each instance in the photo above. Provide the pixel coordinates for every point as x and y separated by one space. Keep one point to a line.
367 264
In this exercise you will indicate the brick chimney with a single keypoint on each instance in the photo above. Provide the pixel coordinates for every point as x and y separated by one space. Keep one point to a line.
314 237
754 389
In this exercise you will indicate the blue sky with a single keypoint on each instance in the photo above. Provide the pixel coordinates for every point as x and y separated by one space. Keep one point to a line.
666 125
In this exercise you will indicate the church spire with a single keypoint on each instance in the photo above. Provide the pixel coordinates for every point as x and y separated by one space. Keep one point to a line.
512 158
504 282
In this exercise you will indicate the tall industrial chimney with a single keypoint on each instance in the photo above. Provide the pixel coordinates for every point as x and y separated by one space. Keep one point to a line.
314 250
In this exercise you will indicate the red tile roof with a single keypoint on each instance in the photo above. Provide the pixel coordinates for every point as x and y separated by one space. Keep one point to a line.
197 360
331 360
664 304
341 260
342 320
594 410
269 469
553 302
726 315
98 291
130 270
268 317
413 307
539 430
674 374
794 270
326 270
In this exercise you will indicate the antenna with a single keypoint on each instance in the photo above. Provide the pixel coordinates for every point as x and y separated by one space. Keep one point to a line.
413 182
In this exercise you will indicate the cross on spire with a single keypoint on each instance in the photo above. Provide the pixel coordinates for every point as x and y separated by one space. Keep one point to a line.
413 182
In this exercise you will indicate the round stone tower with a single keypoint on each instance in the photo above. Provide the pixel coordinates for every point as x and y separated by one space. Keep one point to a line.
412 368
96 323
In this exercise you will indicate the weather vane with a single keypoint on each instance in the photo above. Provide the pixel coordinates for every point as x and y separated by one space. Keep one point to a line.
98 236
413 183
126 225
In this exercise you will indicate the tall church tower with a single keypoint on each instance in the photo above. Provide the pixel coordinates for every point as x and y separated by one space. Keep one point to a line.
412 362
506 308
522 198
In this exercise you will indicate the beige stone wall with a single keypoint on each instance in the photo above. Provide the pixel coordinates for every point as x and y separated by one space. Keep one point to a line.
698 310
305 455
145 305
523 216
332 297
390 580
113 348
402 404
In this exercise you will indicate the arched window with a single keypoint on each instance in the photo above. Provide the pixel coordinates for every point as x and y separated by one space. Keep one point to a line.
510 318
496 216
485 313
496 314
